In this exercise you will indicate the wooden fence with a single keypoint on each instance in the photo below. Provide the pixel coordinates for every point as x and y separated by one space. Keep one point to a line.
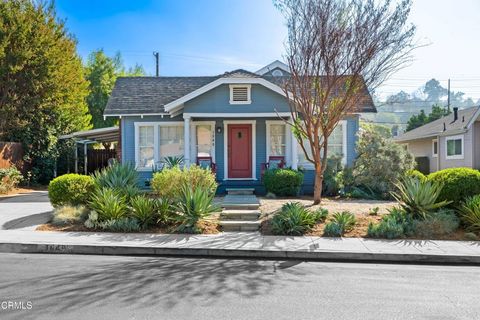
98 158
11 154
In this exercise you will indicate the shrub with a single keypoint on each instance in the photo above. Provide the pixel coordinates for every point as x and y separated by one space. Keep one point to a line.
165 211
9 179
193 205
70 189
69 215
143 210
470 236
394 225
436 224
458 183
470 213
418 197
120 225
283 182
121 177
168 182
295 220
332 177
109 204
341 222
380 163
416 174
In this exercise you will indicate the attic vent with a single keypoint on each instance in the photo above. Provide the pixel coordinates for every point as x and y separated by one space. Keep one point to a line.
240 94
277 73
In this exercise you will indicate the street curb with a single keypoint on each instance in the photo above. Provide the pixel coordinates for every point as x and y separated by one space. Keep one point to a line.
239 253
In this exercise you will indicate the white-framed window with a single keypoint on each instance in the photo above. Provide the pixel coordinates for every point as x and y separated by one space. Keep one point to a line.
240 94
434 148
204 140
157 140
337 146
146 146
454 147
171 141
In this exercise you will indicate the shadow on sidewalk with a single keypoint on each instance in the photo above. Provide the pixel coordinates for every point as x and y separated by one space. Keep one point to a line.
27 221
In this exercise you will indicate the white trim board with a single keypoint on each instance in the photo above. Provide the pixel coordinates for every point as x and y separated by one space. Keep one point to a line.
288 140
238 115
225 148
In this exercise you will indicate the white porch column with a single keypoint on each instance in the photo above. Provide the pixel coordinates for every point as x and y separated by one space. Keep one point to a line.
294 150
186 147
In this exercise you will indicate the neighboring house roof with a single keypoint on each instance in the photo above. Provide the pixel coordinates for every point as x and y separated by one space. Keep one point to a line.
443 127
277 64
164 95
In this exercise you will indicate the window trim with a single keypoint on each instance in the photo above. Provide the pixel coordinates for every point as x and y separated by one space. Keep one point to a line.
457 156
156 142
309 166
288 140
434 155
249 93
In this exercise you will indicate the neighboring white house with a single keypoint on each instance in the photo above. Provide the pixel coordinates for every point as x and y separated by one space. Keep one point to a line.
452 141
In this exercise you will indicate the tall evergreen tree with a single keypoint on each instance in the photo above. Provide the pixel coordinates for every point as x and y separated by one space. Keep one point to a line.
42 87
102 71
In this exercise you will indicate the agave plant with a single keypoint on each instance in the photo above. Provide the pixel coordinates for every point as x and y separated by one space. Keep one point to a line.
143 209
418 197
116 176
192 206
108 204
470 213
341 222
171 162
165 210
295 220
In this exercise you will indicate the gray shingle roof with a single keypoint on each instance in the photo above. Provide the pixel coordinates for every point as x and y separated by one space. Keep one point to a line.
436 127
149 95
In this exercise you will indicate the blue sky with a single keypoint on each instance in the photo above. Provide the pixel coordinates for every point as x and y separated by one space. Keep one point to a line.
205 37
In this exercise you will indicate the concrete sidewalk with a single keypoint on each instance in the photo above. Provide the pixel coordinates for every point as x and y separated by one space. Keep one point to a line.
242 245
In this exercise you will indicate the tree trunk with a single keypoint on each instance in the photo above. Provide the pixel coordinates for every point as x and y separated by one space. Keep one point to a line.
317 191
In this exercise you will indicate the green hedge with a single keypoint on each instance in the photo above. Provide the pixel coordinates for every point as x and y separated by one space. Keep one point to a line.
9 179
283 182
70 189
458 183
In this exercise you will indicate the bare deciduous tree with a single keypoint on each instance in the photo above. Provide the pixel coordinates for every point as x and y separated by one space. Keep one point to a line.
336 49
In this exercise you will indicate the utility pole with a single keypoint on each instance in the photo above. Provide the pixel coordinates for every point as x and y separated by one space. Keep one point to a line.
448 97
157 57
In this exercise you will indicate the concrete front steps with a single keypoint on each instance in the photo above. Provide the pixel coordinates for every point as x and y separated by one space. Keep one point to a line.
240 210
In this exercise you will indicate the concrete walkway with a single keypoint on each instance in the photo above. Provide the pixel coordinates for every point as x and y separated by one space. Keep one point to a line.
25 211
242 245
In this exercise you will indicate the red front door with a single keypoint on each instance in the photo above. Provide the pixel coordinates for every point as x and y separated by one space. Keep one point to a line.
239 150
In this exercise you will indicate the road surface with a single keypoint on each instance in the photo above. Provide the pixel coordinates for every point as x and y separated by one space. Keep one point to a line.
108 287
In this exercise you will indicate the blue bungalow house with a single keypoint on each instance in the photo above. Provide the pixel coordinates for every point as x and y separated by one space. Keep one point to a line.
230 121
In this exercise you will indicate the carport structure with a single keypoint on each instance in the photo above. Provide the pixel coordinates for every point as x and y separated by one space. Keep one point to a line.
84 138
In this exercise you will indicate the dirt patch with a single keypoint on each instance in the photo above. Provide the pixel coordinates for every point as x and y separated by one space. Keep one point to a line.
356 206
19 191
206 226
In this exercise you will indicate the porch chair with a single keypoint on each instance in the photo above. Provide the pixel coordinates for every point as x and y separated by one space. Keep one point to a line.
207 162
274 162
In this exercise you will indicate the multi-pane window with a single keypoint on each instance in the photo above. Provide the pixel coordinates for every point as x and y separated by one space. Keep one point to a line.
277 146
205 140
454 147
171 141
146 146
335 146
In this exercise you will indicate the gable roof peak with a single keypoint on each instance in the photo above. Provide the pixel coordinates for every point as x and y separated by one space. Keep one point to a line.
239 73
277 64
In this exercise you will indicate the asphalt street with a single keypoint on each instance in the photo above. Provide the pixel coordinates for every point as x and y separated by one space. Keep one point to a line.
109 287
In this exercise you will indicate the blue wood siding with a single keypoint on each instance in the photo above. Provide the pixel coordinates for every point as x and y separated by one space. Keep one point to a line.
218 100
128 149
